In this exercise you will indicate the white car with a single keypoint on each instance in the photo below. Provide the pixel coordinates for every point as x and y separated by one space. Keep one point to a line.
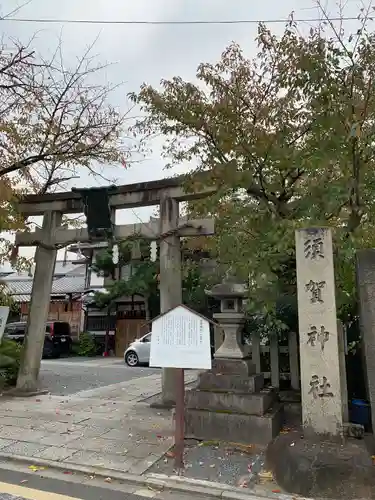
139 351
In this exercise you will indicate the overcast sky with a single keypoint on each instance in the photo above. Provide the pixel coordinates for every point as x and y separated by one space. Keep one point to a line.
150 53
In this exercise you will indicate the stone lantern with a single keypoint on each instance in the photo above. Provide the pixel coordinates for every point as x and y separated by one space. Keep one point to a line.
230 402
230 318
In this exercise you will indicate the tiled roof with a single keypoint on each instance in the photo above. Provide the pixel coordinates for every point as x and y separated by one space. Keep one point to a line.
61 269
21 298
69 278
19 287
60 286
68 284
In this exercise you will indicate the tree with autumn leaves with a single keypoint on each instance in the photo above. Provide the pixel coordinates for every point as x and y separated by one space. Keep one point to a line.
287 139
56 124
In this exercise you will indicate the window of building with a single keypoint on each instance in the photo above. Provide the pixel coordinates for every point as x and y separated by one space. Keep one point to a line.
99 323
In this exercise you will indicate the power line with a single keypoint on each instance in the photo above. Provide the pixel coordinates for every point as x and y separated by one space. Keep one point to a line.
193 22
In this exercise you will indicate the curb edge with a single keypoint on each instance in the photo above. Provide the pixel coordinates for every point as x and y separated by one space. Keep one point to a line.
153 480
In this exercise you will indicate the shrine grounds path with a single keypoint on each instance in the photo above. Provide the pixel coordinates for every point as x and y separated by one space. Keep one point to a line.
97 414
66 376
96 429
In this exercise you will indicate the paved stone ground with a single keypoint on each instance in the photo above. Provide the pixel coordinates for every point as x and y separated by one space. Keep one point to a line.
108 427
236 465
113 427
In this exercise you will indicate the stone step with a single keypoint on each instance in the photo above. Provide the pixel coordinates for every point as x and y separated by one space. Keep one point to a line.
227 366
232 383
249 404
234 427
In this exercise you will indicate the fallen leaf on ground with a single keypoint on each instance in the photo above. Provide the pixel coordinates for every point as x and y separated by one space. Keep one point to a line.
35 468
243 482
266 474
153 489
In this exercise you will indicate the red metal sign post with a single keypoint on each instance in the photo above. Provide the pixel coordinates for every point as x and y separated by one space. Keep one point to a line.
179 436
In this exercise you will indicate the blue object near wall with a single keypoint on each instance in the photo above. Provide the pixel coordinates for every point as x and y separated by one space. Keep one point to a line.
360 412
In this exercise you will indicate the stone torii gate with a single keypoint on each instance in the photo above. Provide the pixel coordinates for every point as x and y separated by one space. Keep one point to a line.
167 193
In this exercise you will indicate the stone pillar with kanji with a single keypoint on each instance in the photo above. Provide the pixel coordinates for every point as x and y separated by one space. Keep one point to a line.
322 411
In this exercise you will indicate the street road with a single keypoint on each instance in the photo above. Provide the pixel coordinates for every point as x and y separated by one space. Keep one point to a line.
17 483
65 376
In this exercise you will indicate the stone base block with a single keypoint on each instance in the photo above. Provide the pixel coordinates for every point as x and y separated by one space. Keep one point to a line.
233 427
319 468
248 404
243 367
230 383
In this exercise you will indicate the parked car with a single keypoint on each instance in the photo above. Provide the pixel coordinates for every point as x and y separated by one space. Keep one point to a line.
139 351
57 341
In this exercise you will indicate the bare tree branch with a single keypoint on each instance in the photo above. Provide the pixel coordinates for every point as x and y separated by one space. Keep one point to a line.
54 120
16 10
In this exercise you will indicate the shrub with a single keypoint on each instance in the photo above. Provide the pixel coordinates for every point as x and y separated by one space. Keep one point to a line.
10 358
74 349
86 346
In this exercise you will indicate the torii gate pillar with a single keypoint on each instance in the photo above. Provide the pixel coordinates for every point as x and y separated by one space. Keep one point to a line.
45 259
170 280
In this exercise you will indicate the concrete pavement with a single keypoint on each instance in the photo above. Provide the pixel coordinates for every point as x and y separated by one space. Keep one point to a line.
103 432
108 427
71 375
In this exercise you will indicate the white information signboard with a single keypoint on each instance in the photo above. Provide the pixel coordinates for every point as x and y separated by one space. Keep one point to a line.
4 312
180 338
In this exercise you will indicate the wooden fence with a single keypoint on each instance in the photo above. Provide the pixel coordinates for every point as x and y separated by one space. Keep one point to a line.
277 362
